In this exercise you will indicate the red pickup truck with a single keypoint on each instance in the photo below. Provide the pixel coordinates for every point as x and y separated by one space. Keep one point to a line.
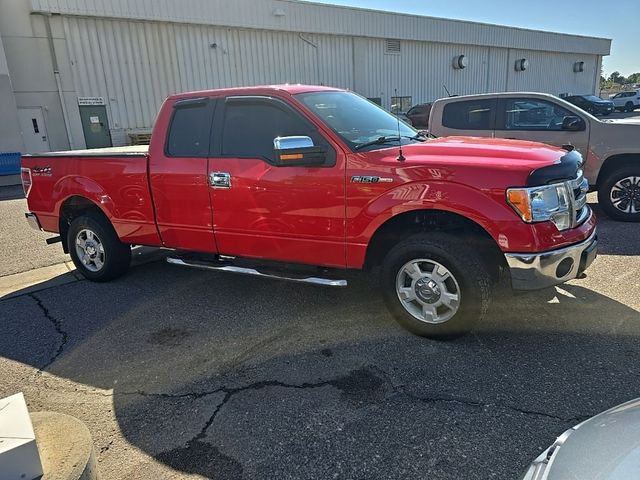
303 182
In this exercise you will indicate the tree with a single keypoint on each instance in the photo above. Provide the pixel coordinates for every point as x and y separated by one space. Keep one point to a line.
634 78
615 77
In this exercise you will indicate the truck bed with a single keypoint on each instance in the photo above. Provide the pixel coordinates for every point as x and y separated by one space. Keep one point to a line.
130 150
115 180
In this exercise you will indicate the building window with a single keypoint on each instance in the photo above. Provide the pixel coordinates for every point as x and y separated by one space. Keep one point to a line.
391 46
376 100
400 104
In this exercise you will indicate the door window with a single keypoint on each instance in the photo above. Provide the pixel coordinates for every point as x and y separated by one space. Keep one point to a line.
189 130
469 115
250 126
531 114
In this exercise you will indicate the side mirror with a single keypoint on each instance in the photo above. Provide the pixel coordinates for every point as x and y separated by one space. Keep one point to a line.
573 124
298 151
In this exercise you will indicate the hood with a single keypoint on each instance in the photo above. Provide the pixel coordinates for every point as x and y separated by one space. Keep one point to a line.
488 151
605 447
482 162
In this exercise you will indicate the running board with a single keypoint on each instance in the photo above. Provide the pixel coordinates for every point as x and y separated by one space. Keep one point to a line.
326 282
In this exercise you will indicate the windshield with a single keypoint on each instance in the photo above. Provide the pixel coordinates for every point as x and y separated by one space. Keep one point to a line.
356 120
592 98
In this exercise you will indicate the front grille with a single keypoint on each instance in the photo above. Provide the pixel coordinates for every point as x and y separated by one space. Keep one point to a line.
579 186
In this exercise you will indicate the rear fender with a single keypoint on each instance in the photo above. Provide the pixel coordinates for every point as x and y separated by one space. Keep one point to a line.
68 187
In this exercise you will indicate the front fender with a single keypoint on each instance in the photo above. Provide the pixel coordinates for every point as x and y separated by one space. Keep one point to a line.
487 208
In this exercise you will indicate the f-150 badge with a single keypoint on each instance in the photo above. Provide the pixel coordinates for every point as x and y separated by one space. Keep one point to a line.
369 179
41 171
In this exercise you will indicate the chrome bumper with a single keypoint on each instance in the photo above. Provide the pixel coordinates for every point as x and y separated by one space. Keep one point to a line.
33 221
533 271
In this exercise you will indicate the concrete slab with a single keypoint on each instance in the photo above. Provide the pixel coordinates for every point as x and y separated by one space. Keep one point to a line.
66 447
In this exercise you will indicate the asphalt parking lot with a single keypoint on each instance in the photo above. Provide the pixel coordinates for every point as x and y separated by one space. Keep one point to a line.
188 374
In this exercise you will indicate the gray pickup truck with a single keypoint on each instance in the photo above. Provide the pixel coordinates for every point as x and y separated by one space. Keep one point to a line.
611 149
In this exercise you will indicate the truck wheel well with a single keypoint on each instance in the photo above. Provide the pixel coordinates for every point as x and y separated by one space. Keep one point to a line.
615 162
72 208
401 226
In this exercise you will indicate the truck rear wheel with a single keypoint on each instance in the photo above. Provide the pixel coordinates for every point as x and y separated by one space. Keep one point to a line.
619 194
96 250
629 107
435 286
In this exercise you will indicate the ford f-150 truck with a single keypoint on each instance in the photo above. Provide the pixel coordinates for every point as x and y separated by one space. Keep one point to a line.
303 182
611 149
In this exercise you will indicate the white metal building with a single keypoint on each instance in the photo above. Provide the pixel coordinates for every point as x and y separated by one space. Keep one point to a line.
92 72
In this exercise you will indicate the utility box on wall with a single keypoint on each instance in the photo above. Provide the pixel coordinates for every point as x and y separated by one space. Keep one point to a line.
95 124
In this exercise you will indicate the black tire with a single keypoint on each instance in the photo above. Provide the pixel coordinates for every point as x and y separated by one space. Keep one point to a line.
107 263
629 107
605 193
464 264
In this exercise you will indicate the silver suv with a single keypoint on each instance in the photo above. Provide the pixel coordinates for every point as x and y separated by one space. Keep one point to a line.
611 150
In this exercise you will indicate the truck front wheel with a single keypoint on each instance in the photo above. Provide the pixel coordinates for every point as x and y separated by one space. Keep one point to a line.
96 250
619 194
436 286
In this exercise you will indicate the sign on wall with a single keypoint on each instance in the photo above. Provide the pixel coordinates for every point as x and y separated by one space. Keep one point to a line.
90 101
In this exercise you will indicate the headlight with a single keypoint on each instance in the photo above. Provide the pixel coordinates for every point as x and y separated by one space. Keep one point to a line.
541 204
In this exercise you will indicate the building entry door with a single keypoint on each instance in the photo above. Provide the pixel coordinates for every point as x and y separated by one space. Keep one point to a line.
33 130
95 126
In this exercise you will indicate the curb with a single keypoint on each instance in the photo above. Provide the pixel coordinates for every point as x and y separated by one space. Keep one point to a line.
35 280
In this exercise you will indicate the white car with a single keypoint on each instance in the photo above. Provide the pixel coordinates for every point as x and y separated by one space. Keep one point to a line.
604 447
627 101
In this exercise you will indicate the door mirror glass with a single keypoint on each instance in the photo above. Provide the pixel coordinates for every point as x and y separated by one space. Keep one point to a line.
573 124
298 151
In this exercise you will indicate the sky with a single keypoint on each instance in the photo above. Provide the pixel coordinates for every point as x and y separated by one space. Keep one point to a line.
618 20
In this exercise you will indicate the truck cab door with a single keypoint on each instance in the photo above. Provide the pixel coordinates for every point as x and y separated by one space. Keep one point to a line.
539 120
178 175
262 209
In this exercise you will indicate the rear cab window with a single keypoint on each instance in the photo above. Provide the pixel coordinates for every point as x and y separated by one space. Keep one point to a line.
190 128
470 114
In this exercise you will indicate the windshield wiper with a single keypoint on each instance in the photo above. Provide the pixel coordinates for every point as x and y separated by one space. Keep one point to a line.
384 139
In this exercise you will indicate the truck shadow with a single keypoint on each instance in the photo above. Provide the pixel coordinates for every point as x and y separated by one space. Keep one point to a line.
616 238
234 377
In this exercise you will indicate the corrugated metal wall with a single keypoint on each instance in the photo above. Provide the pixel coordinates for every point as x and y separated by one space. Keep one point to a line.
296 16
134 65
420 70
549 72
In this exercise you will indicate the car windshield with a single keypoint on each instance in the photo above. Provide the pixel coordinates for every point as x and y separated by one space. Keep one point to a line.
592 98
357 120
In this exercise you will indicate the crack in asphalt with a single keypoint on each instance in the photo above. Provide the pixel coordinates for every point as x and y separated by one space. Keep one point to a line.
478 403
57 325
230 392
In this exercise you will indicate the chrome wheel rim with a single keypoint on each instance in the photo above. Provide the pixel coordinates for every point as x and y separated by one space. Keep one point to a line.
90 250
625 195
428 291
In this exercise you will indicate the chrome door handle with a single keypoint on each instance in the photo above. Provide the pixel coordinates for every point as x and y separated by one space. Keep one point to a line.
220 180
